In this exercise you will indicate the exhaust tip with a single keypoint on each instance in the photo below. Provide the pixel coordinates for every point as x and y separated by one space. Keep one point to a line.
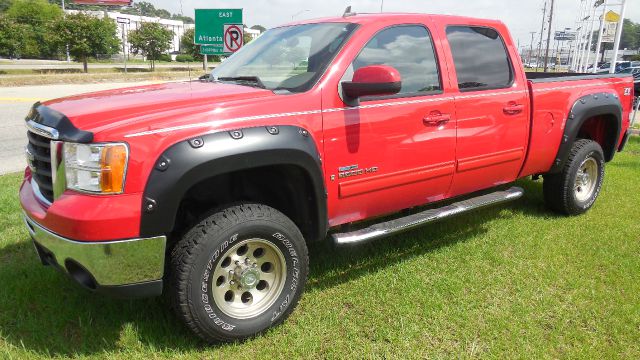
80 274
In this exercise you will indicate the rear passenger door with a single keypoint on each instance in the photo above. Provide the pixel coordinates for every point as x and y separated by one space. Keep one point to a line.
492 109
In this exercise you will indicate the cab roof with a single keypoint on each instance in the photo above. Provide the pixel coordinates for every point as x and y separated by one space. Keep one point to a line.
367 18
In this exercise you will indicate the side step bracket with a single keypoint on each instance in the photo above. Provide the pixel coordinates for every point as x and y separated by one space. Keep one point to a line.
392 227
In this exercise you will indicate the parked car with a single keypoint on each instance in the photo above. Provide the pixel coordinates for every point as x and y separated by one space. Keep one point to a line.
211 190
620 65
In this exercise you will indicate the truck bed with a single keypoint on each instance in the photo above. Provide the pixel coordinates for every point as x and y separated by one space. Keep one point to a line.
542 77
552 97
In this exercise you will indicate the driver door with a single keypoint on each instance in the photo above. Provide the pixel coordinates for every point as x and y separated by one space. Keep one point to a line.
388 153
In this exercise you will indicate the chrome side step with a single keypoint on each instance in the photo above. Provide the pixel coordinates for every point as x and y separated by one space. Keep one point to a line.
412 221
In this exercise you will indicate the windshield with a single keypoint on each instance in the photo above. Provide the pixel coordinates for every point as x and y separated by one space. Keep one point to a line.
289 58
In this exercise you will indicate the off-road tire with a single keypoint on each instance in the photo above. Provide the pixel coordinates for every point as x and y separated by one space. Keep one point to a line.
195 257
559 189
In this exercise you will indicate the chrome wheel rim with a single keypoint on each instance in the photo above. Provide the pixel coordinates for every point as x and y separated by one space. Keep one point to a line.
586 180
249 278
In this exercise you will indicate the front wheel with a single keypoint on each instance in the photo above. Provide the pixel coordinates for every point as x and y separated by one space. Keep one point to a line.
575 189
238 272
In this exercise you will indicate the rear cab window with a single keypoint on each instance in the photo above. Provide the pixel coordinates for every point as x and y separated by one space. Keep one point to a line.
410 50
480 58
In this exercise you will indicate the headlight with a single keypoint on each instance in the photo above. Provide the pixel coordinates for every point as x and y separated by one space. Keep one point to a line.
96 168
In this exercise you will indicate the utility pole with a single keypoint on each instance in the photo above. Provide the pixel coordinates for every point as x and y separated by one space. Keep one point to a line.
544 14
577 51
555 56
533 33
616 44
546 56
599 46
592 21
381 5
64 14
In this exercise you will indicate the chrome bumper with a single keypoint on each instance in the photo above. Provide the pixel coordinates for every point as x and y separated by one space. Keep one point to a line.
105 266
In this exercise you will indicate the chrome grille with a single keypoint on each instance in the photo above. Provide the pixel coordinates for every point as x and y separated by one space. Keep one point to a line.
39 159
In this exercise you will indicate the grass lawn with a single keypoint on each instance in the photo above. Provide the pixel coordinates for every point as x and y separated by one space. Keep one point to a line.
505 282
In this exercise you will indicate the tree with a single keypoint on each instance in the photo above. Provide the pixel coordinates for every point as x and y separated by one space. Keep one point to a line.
630 35
87 36
15 40
247 37
184 19
39 16
188 46
151 40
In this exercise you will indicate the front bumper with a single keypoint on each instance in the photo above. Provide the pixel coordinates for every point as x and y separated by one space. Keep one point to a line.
126 268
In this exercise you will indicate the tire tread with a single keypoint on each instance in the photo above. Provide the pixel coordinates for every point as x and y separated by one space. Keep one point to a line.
556 187
183 255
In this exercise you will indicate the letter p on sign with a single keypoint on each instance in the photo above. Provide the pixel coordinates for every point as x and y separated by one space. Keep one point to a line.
233 37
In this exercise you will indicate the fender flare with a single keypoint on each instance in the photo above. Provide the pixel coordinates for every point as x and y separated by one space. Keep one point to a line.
585 108
191 161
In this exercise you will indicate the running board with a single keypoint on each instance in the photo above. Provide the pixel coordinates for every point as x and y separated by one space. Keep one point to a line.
391 227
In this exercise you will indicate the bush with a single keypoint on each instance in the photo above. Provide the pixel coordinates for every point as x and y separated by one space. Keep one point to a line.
164 57
184 58
161 57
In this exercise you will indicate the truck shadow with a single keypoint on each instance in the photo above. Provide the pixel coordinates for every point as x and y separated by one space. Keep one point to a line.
44 313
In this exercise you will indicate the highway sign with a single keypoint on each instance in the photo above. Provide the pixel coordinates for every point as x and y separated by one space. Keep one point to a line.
210 25
211 49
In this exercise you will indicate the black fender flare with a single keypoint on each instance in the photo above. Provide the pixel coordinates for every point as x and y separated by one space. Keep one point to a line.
191 161
583 109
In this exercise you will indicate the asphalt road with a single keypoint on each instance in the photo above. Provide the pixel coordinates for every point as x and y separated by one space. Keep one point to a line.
15 103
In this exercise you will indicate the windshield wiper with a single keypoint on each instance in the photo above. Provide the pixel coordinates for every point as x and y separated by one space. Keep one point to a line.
244 80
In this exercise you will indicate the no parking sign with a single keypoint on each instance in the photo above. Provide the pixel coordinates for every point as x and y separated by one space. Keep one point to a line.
233 37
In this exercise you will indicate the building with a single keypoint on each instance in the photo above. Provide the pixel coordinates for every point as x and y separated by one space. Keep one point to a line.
254 33
176 26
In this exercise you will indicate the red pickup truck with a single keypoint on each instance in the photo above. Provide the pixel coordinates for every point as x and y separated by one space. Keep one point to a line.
210 190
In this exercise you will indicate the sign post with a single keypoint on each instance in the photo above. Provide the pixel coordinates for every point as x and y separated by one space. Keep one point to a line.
123 22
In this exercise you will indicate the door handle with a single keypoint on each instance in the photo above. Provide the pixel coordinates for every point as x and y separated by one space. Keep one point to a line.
513 109
436 118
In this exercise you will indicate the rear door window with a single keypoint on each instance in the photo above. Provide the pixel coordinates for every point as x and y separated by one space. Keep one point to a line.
480 58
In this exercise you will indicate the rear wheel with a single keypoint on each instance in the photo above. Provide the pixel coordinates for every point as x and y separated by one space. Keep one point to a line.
238 272
575 189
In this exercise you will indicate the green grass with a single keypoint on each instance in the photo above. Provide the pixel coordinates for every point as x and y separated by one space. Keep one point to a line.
505 282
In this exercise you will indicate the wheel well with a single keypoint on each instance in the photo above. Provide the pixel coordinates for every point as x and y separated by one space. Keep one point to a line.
287 188
601 129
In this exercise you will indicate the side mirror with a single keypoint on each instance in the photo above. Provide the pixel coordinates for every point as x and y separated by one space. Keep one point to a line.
372 80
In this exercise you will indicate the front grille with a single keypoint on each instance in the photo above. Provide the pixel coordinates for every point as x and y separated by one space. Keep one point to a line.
40 150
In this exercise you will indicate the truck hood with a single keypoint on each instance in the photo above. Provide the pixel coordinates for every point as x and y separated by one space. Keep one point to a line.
142 105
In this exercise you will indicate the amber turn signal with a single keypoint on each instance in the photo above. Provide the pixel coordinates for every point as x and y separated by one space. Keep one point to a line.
113 164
